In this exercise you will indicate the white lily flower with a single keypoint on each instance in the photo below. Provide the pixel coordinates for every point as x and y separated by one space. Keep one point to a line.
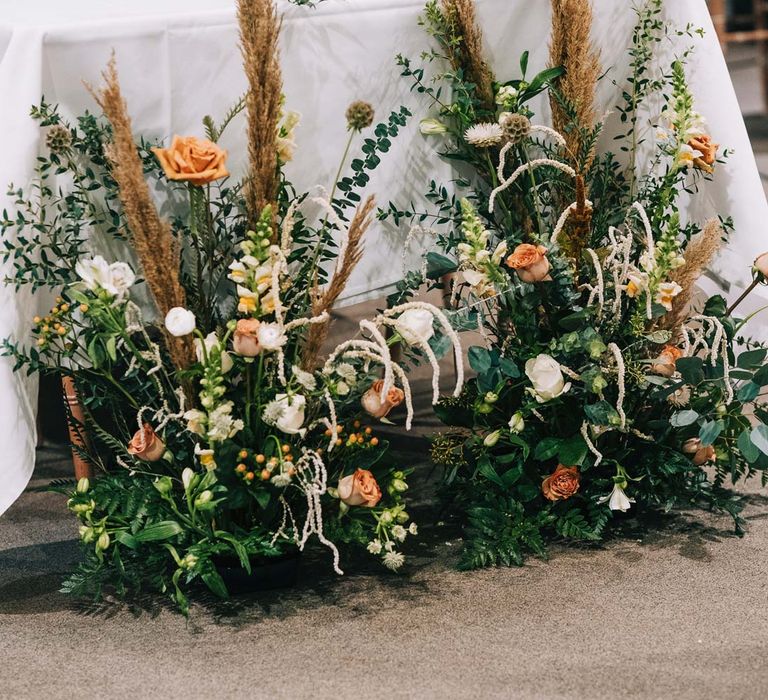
617 499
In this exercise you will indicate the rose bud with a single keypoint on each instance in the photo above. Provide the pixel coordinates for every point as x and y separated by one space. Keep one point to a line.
246 337
146 445
359 489
372 399
699 454
664 364
761 265
530 262
562 484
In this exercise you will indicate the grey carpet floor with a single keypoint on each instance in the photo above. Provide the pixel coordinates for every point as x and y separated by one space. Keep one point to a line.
681 612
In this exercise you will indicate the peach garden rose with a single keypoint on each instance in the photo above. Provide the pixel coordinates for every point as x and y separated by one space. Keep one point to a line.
146 445
359 489
664 364
194 160
372 399
561 484
245 341
530 262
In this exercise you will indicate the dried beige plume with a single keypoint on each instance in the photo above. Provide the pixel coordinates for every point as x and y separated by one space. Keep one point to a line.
324 301
157 250
468 50
259 33
571 47
698 254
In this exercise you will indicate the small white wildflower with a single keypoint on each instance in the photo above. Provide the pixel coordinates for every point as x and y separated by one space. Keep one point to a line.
273 412
281 480
393 560
342 388
346 372
484 135
305 379
399 533
374 547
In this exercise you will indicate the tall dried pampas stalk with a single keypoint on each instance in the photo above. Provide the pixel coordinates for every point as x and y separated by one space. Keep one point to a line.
259 34
468 50
157 250
324 301
571 47
699 254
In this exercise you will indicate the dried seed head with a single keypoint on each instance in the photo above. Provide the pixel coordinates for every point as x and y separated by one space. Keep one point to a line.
58 139
359 115
516 127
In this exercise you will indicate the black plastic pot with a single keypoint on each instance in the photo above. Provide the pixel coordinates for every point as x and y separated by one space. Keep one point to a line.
266 574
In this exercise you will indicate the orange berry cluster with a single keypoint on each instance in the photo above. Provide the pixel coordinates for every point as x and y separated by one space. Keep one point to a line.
358 435
54 325
253 464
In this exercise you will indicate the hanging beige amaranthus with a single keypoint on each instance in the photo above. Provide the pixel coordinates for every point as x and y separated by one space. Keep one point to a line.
155 246
259 33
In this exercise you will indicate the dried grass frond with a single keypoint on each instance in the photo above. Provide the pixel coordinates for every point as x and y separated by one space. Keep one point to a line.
324 301
156 248
259 35
571 47
699 254
468 51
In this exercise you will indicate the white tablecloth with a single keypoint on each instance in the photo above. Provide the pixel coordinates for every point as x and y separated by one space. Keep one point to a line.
178 60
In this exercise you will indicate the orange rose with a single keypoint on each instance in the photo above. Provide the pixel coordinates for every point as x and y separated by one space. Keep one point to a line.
562 484
530 262
372 399
146 445
194 160
699 454
664 364
246 339
359 489
703 144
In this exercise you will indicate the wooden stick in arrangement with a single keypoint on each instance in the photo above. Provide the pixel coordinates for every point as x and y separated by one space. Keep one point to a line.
77 435
259 34
571 47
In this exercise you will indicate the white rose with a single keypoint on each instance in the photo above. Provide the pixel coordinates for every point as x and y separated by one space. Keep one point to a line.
271 336
212 341
94 272
546 377
292 416
180 321
415 325
121 279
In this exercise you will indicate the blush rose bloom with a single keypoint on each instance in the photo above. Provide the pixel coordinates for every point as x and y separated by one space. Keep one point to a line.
664 364
372 402
530 262
547 378
761 265
699 454
562 484
146 445
245 340
194 160
359 489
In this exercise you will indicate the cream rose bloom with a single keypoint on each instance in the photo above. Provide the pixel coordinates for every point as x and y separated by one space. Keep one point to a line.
180 321
547 378
291 417
415 325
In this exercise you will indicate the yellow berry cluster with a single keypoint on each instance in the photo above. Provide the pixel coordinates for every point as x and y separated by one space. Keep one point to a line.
54 325
252 464
358 435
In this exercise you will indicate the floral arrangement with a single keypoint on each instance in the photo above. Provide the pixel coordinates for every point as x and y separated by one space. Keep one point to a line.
227 434
603 384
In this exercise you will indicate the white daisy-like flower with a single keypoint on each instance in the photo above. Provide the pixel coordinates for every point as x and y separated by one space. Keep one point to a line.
346 372
413 529
281 480
305 379
374 547
273 412
484 135
393 560
399 533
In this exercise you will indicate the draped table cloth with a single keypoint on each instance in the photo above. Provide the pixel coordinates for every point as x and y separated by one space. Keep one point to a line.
179 60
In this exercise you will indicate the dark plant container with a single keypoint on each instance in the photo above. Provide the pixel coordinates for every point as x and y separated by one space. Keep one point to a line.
267 574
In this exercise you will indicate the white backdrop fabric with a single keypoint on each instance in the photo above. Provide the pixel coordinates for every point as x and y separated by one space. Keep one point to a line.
178 61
